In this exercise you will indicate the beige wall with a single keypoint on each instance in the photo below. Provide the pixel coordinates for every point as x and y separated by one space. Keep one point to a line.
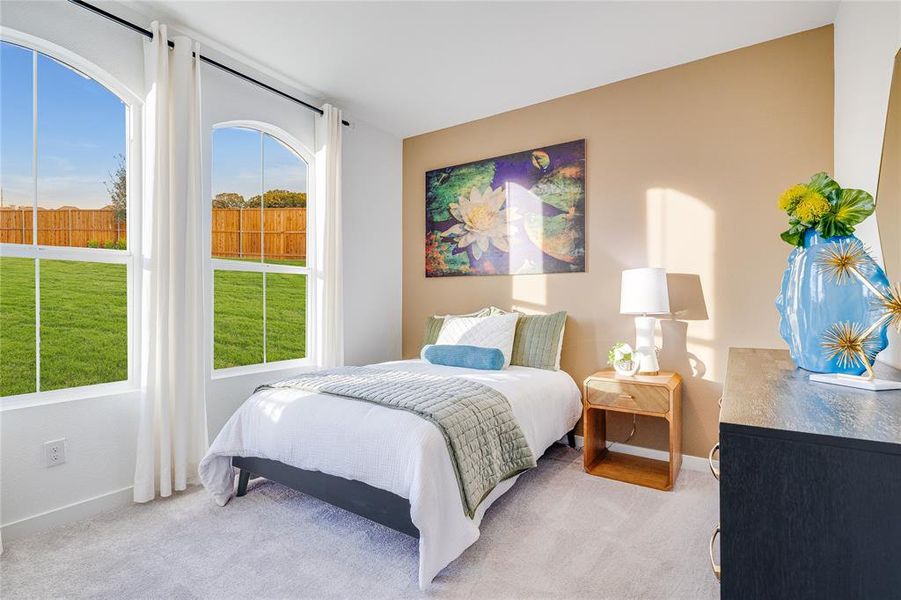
683 170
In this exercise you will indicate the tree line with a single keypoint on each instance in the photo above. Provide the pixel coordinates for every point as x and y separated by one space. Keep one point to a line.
271 199
117 190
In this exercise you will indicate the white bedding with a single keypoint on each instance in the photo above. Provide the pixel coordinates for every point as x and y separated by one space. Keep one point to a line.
390 449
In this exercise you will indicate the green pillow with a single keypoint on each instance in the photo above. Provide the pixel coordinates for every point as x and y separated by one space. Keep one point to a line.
434 323
432 329
538 341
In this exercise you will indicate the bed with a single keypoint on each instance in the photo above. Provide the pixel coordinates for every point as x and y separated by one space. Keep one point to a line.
388 465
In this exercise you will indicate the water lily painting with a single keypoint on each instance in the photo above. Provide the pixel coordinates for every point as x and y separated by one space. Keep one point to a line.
515 214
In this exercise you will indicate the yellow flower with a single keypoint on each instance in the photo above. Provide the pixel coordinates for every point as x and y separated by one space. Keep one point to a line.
790 198
811 207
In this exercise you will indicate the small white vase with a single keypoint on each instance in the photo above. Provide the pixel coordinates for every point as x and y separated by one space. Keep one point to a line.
626 368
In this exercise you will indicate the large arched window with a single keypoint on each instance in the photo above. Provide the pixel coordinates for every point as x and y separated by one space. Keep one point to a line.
65 224
258 240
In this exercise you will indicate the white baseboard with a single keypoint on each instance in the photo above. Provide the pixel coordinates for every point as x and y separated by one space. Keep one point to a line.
689 462
66 515
90 507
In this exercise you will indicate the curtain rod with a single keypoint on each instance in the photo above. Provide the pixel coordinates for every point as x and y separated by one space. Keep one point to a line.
148 34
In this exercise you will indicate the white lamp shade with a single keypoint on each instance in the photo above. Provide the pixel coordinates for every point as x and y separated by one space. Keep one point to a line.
644 292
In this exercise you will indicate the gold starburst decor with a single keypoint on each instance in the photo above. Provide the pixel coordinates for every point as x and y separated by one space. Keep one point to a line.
843 260
890 304
851 343
854 344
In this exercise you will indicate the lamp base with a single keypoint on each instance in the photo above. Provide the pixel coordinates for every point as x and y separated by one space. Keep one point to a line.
645 346
856 381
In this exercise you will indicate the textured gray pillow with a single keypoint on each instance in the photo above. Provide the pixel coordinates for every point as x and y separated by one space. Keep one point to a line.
538 341
434 323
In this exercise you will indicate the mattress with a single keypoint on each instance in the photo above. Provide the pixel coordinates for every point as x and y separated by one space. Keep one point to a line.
390 449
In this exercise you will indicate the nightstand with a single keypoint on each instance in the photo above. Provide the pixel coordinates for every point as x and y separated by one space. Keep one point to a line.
648 395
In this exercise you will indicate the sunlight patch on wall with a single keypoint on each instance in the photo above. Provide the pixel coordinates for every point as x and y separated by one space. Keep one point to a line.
681 237
529 293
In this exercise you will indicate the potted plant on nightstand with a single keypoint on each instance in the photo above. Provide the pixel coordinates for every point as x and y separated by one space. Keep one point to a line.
623 360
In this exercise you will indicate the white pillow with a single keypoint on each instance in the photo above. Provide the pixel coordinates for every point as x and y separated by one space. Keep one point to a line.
486 332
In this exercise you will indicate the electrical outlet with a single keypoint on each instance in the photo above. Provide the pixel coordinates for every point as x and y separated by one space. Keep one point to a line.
54 452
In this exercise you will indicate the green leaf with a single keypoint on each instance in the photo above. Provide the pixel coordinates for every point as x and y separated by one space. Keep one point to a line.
795 233
563 188
829 226
795 238
446 186
853 206
823 184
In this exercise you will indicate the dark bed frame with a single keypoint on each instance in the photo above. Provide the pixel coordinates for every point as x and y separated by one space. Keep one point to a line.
357 497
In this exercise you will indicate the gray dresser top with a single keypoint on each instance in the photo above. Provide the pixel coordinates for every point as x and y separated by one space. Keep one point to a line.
764 389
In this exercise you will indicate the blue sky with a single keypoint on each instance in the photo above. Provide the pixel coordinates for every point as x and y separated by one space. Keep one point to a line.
81 129
237 159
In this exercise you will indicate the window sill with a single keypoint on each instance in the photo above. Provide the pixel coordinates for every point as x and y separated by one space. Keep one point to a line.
88 392
302 364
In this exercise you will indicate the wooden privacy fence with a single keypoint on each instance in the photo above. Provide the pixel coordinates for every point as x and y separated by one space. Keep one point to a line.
61 226
235 231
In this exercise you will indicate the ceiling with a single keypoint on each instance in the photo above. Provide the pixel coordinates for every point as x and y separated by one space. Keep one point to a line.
413 67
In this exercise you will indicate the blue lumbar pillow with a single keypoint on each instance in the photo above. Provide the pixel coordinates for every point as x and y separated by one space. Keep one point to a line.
470 357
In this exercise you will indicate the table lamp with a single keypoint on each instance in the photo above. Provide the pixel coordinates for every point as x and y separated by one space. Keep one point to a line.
645 295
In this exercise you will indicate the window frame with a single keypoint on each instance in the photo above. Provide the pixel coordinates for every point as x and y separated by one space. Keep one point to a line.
214 264
130 257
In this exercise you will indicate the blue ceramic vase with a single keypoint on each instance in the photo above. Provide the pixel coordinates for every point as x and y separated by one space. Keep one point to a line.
810 303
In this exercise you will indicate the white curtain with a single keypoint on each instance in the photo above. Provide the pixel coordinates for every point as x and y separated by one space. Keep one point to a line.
328 334
172 435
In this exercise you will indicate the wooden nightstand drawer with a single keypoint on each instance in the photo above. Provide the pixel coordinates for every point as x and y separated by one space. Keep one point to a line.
627 396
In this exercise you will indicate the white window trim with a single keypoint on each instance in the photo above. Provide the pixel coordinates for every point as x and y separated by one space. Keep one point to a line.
86 392
224 264
129 257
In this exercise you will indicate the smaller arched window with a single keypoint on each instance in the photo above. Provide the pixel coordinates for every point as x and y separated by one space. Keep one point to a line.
258 246
66 215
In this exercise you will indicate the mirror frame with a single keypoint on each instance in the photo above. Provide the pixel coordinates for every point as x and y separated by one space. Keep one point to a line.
891 257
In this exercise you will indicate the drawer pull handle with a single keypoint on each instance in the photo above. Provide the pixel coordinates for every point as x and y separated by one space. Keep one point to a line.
717 570
720 401
624 396
713 469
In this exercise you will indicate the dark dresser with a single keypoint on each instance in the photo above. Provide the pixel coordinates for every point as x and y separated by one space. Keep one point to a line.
810 484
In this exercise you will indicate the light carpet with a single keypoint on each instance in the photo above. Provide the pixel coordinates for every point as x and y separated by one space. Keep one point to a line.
559 533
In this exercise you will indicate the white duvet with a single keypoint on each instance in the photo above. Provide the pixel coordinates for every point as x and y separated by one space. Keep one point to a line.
390 449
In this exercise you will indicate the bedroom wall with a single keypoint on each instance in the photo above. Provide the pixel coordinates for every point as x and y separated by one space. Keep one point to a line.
684 167
867 37
100 431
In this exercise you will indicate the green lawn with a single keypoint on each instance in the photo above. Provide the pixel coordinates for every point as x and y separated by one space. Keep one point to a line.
84 336
238 318
84 325
17 363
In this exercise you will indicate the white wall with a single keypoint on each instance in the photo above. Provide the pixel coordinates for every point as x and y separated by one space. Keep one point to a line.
101 431
867 36
372 245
